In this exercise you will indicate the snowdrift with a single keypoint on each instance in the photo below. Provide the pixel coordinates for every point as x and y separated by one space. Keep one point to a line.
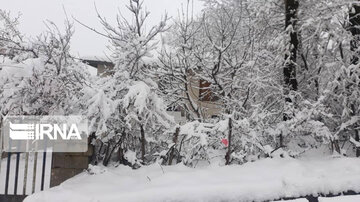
264 180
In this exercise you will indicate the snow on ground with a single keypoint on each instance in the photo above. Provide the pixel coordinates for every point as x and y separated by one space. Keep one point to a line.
267 179
296 200
340 199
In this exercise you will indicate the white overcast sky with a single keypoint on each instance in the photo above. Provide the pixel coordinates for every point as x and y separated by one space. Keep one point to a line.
85 43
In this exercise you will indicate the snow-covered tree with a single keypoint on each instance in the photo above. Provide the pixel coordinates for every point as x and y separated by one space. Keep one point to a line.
46 82
137 115
179 63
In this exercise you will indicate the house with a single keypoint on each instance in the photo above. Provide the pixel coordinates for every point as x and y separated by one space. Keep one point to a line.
198 91
103 66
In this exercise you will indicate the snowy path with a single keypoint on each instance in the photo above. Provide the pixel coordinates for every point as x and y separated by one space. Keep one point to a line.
267 179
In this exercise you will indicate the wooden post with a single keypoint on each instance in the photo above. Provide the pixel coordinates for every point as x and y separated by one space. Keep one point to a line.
228 154
143 142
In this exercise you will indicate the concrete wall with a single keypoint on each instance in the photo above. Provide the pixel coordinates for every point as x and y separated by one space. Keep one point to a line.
67 165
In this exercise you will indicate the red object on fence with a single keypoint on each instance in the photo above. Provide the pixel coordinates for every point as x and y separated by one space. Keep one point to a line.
225 142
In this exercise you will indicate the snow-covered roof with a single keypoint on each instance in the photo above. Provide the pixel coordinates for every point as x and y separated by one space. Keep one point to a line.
97 58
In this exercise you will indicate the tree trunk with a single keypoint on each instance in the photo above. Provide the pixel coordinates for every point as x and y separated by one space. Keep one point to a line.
291 7
357 138
175 139
354 19
335 146
143 142
107 155
290 82
228 154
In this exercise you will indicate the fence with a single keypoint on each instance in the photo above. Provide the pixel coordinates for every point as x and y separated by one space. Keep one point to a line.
22 174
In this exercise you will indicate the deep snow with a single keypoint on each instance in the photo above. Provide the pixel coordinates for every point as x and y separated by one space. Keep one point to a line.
266 179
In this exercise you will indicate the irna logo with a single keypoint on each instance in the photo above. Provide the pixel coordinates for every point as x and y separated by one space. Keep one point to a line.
39 131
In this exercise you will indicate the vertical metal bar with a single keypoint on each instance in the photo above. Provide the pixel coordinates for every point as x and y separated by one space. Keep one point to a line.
7 173
43 171
34 172
43 167
1 142
25 172
1 153
16 172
